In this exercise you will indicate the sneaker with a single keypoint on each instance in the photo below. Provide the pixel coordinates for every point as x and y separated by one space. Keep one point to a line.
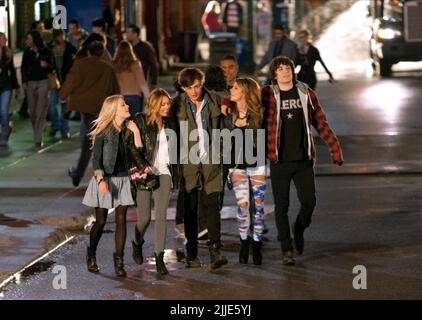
288 259
299 241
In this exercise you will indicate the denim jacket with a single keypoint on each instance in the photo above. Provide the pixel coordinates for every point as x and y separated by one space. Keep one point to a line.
106 146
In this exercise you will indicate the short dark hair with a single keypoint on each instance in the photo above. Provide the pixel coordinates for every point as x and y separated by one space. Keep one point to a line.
94 37
135 29
188 76
280 27
58 33
215 79
275 64
100 23
75 22
96 48
229 57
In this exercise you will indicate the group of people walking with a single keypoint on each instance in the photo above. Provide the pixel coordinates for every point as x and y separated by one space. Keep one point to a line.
154 153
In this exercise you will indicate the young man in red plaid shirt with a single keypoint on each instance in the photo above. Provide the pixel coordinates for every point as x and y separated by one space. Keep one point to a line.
291 109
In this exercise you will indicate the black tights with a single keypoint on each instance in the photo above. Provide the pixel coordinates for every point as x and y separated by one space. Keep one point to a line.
97 228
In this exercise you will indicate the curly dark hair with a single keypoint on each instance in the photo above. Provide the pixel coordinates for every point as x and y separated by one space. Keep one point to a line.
275 64
215 79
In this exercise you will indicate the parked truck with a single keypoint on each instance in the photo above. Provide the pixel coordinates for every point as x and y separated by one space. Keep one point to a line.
396 33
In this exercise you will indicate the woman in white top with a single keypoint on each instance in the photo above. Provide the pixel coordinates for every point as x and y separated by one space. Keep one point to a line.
155 125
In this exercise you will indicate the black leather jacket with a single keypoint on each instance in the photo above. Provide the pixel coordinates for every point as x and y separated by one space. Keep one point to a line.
149 135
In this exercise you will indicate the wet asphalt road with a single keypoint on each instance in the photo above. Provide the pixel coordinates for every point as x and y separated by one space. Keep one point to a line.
355 224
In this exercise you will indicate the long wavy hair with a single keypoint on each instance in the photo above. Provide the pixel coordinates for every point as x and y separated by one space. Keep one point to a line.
253 101
106 117
154 104
6 53
124 58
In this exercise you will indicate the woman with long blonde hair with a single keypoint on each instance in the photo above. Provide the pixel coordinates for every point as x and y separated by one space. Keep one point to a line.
110 186
155 127
131 76
247 117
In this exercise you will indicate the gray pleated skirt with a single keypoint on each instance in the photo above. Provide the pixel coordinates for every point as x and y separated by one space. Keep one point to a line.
119 194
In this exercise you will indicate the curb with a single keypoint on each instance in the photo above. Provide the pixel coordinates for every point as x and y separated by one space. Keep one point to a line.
55 240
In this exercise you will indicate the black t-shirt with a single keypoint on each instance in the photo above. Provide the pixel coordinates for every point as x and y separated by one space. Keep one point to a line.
292 142
120 165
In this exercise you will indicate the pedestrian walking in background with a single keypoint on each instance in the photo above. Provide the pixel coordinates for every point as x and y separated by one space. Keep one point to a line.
37 63
145 53
263 23
63 54
83 51
130 76
308 56
231 69
247 117
156 152
233 16
110 186
76 35
291 109
8 83
280 46
87 85
211 17
100 26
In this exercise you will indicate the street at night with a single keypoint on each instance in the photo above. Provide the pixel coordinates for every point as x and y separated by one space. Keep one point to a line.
364 242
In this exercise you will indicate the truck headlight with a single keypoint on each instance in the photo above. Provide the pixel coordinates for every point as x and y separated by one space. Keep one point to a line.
387 34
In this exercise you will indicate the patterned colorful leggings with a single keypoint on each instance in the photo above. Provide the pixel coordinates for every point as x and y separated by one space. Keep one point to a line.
241 180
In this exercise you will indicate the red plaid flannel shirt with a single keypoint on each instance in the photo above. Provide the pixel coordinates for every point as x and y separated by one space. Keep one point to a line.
316 118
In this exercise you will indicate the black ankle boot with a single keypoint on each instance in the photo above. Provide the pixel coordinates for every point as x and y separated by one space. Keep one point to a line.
244 250
159 263
91 261
217 260
256 252
118 265
137 254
